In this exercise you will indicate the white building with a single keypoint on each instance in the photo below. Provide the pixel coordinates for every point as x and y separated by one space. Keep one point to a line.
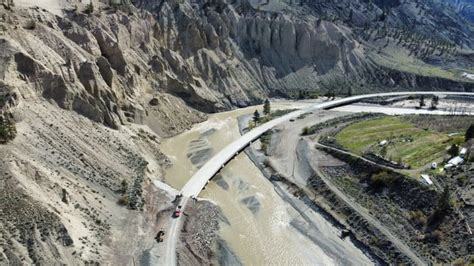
426 179
448 166
454 162
463 152
383 142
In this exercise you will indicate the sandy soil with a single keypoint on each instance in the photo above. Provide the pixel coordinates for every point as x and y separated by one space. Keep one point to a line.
71 170
53 6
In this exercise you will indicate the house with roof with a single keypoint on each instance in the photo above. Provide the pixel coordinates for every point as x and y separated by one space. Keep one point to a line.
454 162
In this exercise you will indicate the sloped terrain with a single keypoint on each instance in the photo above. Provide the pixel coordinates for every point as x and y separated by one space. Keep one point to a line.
91 94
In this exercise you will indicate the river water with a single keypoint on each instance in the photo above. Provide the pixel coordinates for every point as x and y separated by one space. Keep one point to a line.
259 230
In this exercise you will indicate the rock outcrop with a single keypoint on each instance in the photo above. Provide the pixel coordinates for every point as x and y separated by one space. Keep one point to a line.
91 94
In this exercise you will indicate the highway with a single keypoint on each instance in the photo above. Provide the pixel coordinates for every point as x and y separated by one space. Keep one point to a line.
199 180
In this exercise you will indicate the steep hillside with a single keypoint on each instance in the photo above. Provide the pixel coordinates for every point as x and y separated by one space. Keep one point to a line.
464 7
91 91
287 46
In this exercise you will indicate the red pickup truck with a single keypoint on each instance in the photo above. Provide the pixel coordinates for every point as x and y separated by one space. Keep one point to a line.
177 212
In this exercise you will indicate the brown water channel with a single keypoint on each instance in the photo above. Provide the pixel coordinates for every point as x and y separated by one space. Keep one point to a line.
259 232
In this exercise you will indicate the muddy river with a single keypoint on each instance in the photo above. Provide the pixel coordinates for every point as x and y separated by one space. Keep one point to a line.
261 227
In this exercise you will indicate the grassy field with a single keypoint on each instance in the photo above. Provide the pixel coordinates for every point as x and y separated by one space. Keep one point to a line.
400 60
408 144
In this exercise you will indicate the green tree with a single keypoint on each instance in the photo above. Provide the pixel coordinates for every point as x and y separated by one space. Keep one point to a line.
301 95
422 101
434 102
444 200
89 8
469 133
453 150
256 117
7 129
266 108
306 131
124 186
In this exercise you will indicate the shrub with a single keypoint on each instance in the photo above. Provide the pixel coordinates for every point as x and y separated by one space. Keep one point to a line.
124 187
30 25
459 262
462 180
453 150
435 237
267 163
381 179
263 147
418 217
469 133
89 8
123 201
7 130
306 131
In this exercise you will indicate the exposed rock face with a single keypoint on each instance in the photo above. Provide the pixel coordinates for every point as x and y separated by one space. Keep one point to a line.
90 65
158 70
212 55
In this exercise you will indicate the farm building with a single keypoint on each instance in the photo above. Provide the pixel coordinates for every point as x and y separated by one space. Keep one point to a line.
454 162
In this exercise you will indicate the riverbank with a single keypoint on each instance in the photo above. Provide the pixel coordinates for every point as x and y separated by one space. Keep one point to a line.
301 201
200 243
257 215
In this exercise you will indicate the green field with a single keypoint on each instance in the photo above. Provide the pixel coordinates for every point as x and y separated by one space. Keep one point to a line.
399 59
407 143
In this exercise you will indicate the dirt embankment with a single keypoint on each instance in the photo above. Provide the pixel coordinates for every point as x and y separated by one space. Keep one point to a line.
201 244
411 211
303 199
392 216
62 179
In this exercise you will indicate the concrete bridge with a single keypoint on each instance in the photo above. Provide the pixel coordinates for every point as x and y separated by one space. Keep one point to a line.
199 180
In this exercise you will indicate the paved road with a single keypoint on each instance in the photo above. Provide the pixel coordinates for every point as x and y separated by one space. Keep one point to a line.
199 180
172 237
369 218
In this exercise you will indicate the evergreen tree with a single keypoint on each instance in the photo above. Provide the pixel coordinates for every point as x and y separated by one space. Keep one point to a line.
434 102
469 133
256 117
89 8
266 108
422 101
7 129
453 150
443 202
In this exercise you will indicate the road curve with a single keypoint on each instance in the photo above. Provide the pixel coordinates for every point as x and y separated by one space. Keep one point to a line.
199 180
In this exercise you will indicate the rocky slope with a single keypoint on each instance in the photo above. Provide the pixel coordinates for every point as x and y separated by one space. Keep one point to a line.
92 94
464 7
283 46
